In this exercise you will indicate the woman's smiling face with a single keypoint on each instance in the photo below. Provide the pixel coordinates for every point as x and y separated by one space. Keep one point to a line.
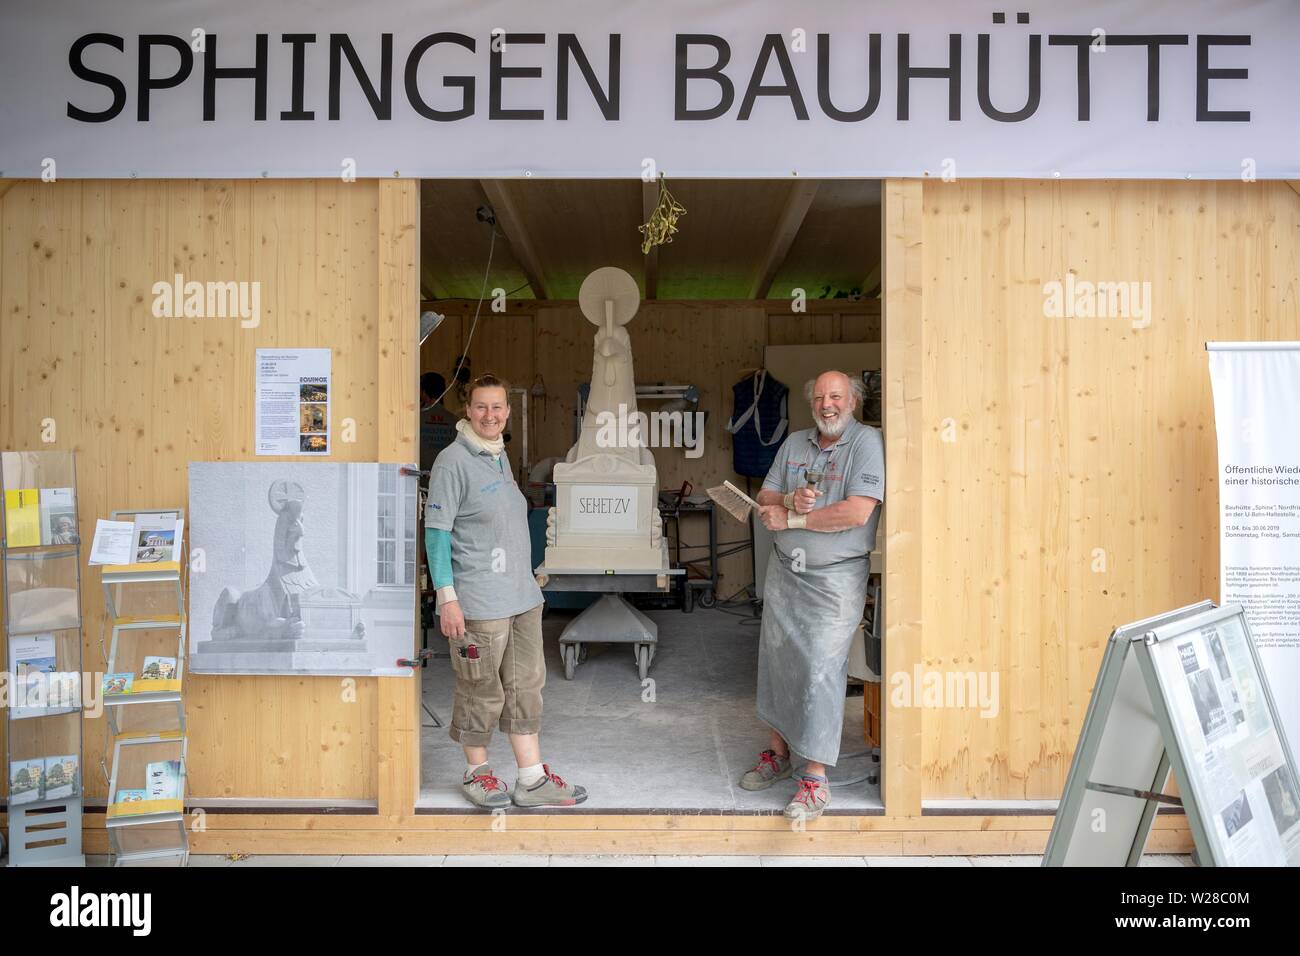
488 411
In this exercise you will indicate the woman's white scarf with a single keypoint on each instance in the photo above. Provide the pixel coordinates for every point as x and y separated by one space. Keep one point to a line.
494 447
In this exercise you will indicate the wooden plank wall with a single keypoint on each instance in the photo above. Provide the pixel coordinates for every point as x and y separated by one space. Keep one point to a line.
139 397
1068 472
901 750
1076 440
706 344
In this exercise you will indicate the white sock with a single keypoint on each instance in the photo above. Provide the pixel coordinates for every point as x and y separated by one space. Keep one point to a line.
530 775
471 767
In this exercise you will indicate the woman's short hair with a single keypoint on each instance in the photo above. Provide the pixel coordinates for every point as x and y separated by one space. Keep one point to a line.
856 386
487 380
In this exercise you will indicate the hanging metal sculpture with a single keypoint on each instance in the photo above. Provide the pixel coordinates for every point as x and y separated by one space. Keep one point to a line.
663 221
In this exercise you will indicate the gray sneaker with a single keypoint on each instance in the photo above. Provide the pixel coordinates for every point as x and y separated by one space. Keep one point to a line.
771 768
813 797
550 791
485 789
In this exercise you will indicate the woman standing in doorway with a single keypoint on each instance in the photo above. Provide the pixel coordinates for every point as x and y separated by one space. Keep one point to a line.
489 605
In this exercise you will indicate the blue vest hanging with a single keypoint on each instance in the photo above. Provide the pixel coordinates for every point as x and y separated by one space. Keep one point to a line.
758 423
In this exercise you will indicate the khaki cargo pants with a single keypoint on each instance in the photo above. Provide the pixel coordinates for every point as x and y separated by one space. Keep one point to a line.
500 672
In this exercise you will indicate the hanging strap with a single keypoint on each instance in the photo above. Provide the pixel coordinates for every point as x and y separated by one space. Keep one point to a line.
780 426
736 424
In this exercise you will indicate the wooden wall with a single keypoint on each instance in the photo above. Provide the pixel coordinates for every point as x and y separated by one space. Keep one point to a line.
1053 477
1021 449
706 344
139 397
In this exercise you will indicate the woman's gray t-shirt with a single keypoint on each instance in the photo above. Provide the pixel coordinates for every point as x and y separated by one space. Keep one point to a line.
475 497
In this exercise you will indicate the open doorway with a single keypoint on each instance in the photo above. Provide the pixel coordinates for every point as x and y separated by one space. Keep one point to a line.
761 275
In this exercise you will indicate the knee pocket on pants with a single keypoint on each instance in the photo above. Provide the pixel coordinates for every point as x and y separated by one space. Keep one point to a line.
469 659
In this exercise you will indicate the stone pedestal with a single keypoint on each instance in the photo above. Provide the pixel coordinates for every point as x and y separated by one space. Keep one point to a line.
606 517
319 656
332 639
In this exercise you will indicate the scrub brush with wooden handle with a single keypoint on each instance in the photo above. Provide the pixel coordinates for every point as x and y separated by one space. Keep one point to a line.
732 500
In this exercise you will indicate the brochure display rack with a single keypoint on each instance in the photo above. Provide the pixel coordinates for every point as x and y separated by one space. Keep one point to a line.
40 551
143 701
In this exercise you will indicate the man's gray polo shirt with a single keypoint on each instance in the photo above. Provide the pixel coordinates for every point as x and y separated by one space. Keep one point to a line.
476 498
853 465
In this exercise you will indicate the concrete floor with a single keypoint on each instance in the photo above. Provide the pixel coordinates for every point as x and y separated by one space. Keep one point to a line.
681 743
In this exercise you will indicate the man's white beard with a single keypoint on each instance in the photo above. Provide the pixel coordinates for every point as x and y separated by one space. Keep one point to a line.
833 427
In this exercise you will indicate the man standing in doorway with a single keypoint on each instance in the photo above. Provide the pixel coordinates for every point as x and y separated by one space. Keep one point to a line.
816 585
437 424
489 605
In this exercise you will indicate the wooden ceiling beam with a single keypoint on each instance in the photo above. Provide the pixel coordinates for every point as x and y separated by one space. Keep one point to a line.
787 228
430 287
511 225
650 199
871 283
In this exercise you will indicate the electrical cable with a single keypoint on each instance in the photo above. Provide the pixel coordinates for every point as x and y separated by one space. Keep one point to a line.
473 325
744 618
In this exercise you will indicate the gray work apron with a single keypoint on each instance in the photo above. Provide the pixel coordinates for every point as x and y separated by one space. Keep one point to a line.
809 617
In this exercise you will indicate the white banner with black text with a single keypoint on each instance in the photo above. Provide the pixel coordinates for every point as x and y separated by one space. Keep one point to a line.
1256 389
588 88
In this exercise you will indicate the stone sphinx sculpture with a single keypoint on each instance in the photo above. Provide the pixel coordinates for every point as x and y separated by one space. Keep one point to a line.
273 611
606 514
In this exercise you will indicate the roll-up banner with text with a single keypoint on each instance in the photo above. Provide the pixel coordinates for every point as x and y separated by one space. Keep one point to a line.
1256 389
592 88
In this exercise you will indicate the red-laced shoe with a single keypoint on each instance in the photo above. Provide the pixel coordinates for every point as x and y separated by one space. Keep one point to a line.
770 768
813 797
485 789
550 791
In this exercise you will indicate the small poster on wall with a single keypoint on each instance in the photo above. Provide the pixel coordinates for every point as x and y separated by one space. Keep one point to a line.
293 402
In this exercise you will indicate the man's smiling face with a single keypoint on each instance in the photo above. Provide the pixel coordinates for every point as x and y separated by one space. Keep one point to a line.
833 402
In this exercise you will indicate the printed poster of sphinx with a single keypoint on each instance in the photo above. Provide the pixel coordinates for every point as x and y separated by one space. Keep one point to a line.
301 568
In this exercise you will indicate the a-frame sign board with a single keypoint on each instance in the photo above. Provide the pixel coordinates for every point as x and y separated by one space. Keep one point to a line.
1182 692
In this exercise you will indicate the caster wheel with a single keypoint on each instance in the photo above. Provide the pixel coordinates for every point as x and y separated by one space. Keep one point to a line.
570 654
643 660
708 599
582 653
688 598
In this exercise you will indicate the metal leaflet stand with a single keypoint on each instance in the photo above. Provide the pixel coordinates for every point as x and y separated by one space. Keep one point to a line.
55 823
118 581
